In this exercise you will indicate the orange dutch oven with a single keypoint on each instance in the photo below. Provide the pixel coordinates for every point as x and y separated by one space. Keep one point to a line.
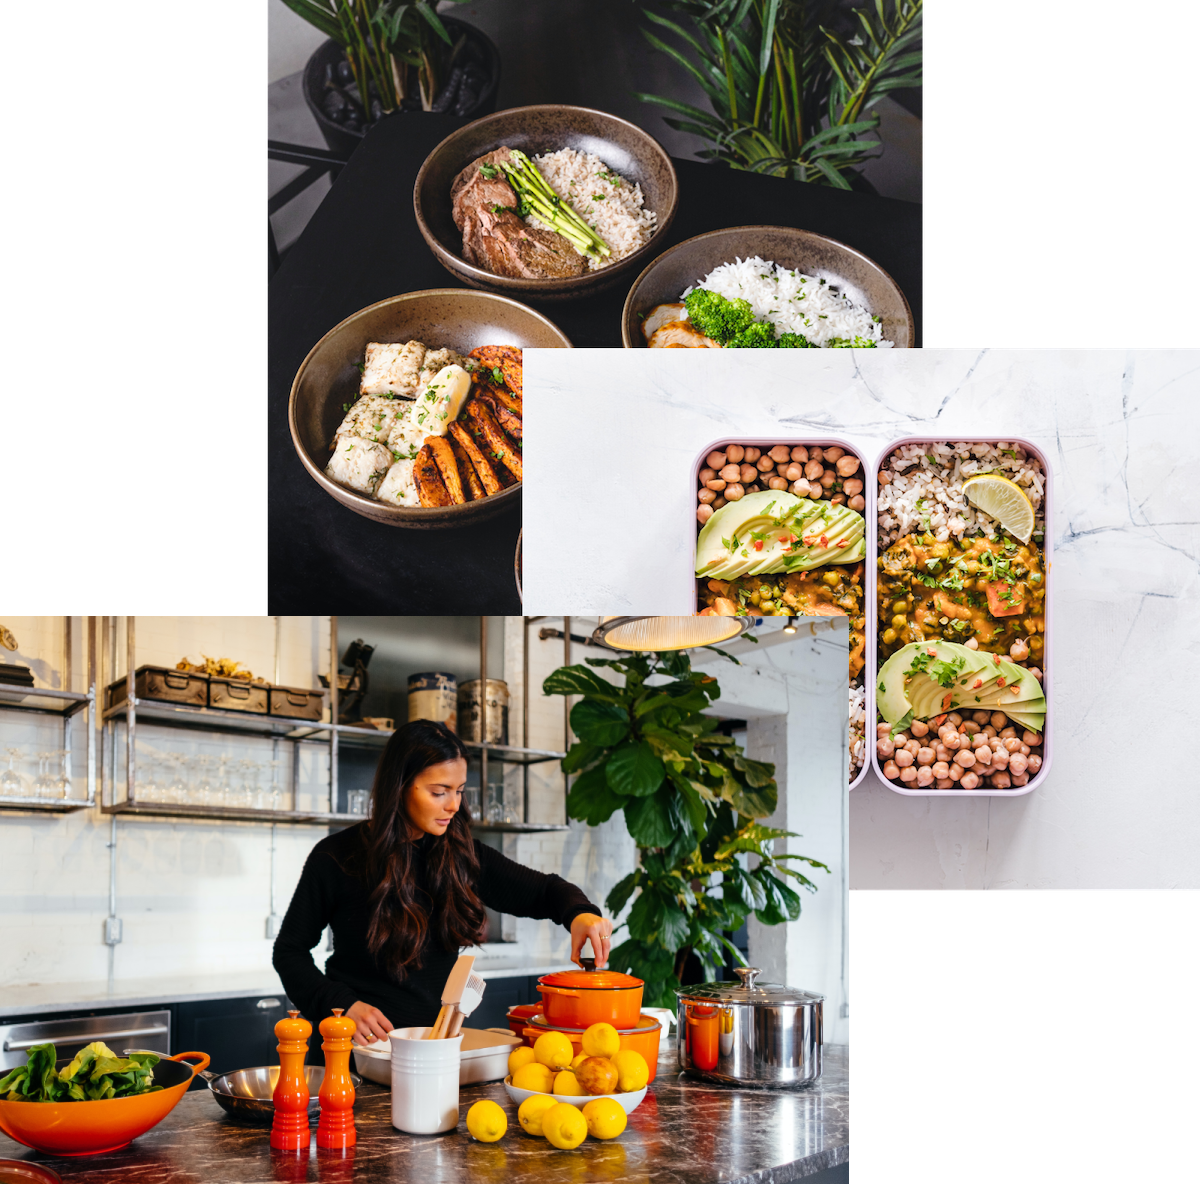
580 998
90 1128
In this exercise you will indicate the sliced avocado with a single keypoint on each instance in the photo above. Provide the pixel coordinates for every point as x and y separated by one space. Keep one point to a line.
1035 721
939 686
904 692
727 533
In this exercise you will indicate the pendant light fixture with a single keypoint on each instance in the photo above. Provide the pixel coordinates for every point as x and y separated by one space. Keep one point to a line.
656 634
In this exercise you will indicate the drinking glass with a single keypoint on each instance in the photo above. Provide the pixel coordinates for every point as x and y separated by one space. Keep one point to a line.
249 768
205 793
12 784
470 801
276 802
62 783
43 787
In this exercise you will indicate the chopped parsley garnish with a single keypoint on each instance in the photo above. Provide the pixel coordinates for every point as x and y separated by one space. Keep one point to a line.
489 172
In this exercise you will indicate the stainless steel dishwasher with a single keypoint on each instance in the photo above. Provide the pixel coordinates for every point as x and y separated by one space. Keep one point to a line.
149 1030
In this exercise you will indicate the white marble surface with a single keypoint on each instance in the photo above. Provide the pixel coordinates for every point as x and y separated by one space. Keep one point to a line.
608 528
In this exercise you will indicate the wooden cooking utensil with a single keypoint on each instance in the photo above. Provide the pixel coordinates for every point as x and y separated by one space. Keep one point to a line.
451 994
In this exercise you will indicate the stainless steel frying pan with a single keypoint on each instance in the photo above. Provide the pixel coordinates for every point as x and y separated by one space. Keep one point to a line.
246 1093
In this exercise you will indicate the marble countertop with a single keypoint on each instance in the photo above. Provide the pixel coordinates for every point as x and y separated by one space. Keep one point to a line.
683 1131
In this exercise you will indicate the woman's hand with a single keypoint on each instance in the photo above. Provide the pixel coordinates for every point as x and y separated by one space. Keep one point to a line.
371 1023
587 926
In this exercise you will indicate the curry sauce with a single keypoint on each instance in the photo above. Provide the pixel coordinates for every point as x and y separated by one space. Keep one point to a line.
992 590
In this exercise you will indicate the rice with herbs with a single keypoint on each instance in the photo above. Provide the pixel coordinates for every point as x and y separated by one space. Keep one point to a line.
920 489
793 302
858 729
605 201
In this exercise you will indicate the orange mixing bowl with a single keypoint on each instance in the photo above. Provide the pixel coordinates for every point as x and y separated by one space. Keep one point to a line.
89 1128
643 1038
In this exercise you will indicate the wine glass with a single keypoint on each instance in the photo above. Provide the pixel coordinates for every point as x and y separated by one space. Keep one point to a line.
276 787
43 787
12 784
62 783
177 787
204 793
250 783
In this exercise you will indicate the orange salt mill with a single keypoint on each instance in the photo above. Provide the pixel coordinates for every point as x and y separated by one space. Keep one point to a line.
289 1130
336 1127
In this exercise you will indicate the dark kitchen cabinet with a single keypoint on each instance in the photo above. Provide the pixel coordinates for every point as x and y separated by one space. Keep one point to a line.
501 994
236 1033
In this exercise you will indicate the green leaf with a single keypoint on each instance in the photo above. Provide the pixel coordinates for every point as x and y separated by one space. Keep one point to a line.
591 800
754 803
579 680
758 773
579 757
649 819
789 899
435 23
673 931
634 770
646 916
622 891
603 724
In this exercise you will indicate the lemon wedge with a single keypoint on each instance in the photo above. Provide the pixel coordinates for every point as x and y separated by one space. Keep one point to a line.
1003 500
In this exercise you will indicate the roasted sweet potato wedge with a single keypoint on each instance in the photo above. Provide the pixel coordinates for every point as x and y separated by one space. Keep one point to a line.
501 394
510 421
431 489
506 358
475 490
487 474
495 440
447 463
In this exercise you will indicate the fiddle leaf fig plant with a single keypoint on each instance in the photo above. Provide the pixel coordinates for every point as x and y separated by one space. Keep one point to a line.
692 799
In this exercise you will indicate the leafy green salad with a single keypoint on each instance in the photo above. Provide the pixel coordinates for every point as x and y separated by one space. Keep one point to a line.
95 1073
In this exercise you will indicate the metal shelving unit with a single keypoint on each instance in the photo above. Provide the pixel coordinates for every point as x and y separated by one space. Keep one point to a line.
65 705
294 731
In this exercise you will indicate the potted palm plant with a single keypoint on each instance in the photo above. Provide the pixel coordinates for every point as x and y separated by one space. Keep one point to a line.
791 83
384 56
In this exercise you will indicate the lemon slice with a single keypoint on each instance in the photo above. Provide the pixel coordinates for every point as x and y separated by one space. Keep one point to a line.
1003 500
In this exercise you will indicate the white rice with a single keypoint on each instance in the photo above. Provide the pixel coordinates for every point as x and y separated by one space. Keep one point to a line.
605 201
858 729
792 302
932 475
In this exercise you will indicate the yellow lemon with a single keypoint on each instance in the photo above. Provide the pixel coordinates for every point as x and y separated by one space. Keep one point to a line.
632 1070
583 1056
554 1050
520 1057
566 1084
1004 500
487 1121
605 1118
597 1075
564 1126
535 1077
530 1111
601 1040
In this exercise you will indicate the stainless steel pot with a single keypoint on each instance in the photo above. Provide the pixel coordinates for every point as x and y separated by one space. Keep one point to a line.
754 1035
246 1093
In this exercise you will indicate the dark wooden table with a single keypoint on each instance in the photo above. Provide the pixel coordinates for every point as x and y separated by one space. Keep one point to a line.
363 245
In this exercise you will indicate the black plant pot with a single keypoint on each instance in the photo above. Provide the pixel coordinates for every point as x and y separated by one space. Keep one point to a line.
343 140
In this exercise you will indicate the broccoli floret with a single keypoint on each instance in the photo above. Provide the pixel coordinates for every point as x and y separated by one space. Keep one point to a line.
794 341
851 343
716 317
759 335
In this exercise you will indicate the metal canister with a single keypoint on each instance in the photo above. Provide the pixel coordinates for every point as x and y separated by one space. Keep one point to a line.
497 712
750 1034
434 696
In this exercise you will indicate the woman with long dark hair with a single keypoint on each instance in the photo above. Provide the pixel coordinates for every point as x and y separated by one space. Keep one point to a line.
405 890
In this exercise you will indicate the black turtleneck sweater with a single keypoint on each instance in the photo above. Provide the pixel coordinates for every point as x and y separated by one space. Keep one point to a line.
329 894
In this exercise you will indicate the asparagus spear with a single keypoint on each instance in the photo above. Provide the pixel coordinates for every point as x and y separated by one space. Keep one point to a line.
538 198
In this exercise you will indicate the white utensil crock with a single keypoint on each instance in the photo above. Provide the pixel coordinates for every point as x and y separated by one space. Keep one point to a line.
424 1082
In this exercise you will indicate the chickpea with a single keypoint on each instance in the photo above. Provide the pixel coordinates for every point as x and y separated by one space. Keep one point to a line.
778 483
734 492
780 452
706 475
900 737
703 514
884 747
956 772
752 454
1001 780
830 578
814 490
857 502
885 478
838 499
953 741
813 469
716 483
954 718
969 781
794 471
903 757
719 503
1008 733
747 475
883 730
1020 779
800 488
943 783
715 460
1000 758
989 732
1024 750
983 756
706 496
918 728
925 756
833 453
765 464
853 486
913 746
1012 744
941 768
1019 650
908 774
1031 738
966 758
924 776
815 454
889 636
970 643
942 753
1033 762
846 466
828 478
735 452
981 717
730 473
1036 673
998 720
891 770
1018 763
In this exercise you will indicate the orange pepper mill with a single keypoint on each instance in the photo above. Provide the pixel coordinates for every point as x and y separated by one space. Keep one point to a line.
289 1130
336 1126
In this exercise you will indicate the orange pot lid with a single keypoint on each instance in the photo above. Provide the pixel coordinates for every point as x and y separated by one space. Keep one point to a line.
592 980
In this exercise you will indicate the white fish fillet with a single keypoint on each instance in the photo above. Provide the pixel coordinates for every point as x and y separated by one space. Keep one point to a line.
392 367
358 463
398 487
372 418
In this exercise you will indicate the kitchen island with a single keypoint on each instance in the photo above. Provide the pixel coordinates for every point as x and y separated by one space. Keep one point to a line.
685 1130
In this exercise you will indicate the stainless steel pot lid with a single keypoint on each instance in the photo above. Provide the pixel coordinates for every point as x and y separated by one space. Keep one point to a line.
748 991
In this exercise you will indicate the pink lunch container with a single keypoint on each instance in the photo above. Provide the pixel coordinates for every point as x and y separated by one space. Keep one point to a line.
872 665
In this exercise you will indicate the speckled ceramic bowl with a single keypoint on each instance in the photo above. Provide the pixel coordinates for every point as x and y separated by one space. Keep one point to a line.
628 150
862 279
440 317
